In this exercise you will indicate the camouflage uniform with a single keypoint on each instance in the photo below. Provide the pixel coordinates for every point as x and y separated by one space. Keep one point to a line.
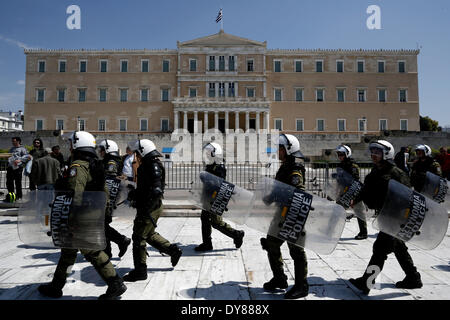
419 170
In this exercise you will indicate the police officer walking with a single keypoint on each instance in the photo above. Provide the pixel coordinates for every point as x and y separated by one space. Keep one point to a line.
423 164
214 155
109 152
86 173
146 198
373 194
292 173
348 164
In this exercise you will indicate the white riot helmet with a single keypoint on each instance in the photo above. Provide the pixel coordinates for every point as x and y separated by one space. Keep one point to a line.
109 146
426 149
214 152
291 145
82 141
145 147
386 147
344 149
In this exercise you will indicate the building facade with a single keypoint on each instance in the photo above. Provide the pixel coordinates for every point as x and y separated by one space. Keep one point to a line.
222 81
11 121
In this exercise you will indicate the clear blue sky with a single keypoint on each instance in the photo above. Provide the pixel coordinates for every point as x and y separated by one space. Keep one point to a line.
305 24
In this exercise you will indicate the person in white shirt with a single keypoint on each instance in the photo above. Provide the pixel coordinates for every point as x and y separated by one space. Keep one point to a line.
127 170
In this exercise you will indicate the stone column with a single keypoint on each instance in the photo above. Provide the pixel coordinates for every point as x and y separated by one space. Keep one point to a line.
175 120
236 120
216 119
227 121
185 120
247 120
195 121
257 121
206 120
266 121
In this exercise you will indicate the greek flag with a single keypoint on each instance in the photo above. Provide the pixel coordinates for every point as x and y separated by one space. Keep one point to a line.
219 16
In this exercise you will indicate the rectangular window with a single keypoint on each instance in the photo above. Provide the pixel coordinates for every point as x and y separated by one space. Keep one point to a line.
61 95
339 66
298 66
277 94
278 124
340 95
81 124
319 65
40 95
362 124
123 95
299 125
192 92
123 125
401 67
277 65
404 124
212 90
143 124
144 66
361 95
231 89
165 95
39 124
298 94
383 124
360 66
81 95
102 95
83 66
192 65
144 95
164 125
59 124
212 63
103 66
402 95
250 65
124 66
166 65
62 66
250 92
101 125
341 124
382 95
221 63
319 95
320 125
381 66
41 66
222 89
231 65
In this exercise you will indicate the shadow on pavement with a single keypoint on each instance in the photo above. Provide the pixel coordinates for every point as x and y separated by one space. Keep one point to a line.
189 251
230 290
9 222
442 267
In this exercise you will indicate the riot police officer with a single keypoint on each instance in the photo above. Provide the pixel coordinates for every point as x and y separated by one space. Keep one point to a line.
112 162
373 194
423 164
147 200
85 174
214 157
348 164
292 173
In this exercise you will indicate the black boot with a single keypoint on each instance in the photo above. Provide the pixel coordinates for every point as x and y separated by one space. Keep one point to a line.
204 247
175 254
116 288
361 284
411 281
123 246
298 291
139 273
279 282
50 290
238 239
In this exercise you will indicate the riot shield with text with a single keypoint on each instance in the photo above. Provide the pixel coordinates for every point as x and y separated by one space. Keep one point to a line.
295 216
63 219
117 191
412 217
436 188
344 188
220 197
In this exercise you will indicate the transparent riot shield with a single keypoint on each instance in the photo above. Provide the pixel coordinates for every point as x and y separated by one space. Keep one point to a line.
63 219
344 188
217 196
123 207
412 217
295 216
436 188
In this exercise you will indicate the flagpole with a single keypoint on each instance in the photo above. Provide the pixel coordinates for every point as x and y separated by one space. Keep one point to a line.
221 21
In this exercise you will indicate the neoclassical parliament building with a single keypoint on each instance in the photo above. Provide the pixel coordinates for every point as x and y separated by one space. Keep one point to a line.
222 81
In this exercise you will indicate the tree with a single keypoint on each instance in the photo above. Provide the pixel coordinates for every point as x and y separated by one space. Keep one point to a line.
428 124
